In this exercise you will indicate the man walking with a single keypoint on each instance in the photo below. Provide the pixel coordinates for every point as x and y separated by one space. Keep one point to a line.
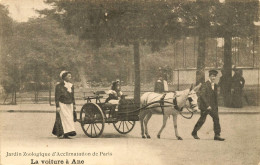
208 104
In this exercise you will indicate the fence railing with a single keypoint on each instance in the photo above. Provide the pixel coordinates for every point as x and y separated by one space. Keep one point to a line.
251 96
181 79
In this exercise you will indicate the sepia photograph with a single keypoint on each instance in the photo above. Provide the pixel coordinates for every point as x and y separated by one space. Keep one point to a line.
130 82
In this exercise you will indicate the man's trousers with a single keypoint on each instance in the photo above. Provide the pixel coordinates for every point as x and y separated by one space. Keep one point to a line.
202 119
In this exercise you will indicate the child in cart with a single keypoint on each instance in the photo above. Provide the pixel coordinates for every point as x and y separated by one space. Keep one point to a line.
114 95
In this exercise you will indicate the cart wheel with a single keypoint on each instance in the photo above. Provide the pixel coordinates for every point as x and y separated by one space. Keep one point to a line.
124 127
92 120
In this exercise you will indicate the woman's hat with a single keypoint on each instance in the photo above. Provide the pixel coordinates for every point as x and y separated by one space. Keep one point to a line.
63 74
213 72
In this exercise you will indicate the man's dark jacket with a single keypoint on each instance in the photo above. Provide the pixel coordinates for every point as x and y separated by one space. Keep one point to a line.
208 97
62 95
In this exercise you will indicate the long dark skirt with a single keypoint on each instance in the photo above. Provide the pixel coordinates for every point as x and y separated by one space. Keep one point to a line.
58 129
236 98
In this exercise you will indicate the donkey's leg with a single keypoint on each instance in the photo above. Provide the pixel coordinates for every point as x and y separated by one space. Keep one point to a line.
142 114
175 126
146 119
165 117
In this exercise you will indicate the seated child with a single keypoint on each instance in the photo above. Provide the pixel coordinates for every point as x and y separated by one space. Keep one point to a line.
114 94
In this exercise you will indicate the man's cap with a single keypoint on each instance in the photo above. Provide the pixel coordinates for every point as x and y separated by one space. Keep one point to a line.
213 72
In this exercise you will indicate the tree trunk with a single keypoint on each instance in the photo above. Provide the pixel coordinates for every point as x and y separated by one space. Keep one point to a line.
227 74
37 82
50 88
82 75
130 74
203 31
200 73
129 70
15 96
137 74
12 96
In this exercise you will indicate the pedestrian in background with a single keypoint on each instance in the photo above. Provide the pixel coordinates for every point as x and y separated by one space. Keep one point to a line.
221 83
161 85
65 105
208 104
224 86
237 86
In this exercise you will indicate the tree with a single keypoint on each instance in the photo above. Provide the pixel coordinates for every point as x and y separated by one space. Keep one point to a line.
214 19
116 61
38 50
203 26
234 19
6 32
154 22
121 22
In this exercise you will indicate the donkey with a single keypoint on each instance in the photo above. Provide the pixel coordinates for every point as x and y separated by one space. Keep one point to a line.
186 98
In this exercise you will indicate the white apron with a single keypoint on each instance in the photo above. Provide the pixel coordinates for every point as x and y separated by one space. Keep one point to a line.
66 115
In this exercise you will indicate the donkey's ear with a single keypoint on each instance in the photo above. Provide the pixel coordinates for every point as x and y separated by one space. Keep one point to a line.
197 87
191 87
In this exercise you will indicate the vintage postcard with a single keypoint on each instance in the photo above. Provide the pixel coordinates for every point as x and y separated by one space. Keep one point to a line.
129 82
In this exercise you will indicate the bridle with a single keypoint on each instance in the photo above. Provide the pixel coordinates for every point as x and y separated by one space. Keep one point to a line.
190 102
174 103
186 107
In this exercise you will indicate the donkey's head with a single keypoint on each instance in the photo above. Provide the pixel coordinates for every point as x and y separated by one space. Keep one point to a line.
192 100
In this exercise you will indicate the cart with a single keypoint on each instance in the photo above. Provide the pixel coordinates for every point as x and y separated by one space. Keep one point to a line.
94 114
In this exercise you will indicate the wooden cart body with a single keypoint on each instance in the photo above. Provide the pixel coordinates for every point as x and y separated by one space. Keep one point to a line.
95 113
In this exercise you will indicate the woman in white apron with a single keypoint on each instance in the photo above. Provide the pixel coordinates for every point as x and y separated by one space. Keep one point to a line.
65 105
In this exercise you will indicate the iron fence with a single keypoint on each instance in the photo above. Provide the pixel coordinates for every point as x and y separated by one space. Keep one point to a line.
179 80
